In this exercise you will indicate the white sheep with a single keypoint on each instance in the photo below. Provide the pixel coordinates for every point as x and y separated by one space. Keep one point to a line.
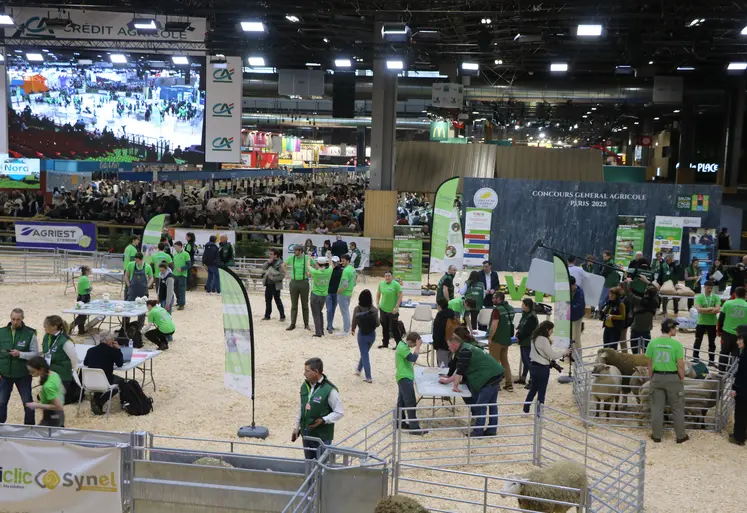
567 473
640 377
605 388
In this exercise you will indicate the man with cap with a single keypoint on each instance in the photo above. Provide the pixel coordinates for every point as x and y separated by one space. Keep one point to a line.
334 285
320 276
708 306
739 391
295 267
666 366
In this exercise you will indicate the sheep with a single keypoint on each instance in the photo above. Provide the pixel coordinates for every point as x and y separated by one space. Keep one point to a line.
701 396
605 387
212 462
567 473
399 504
644 406
625 362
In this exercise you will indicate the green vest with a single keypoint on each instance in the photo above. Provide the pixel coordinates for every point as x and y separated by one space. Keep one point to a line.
318 408
11 367
450 286
476 292
505 325
482 368
61 364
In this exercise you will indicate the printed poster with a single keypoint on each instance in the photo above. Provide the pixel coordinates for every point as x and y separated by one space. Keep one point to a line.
703 247
447 244
668 235
631 235
476 237
408 257
39 476
562 306
238 335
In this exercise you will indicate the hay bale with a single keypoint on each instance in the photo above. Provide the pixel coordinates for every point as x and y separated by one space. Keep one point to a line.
399 504
212 462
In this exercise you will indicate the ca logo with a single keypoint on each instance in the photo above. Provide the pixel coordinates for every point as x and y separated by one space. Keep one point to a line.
223 110
35 24
222 143
223 75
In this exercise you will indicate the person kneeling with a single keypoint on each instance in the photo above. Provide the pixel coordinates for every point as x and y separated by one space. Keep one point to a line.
161 325
105 356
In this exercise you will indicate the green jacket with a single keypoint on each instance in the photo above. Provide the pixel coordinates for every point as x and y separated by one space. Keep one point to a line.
482 368
476 291
447 280
318 408
505 325
11 367
61 364
527 325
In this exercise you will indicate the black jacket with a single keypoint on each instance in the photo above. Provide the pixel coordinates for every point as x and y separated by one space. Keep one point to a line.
339 248
334 280
210 254
105 358
494 282
439 328
740 380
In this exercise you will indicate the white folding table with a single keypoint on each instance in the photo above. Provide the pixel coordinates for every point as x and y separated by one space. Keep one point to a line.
480 336
427 385
99 308
142 360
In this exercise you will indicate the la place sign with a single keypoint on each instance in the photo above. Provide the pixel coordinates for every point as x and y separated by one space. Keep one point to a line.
703 167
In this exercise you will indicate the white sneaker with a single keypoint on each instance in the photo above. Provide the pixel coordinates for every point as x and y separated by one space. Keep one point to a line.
341 334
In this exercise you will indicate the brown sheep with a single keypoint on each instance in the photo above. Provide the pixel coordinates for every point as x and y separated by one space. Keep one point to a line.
625 362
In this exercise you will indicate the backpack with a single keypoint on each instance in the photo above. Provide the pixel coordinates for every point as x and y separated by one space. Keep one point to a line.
366 321
132 333
134 401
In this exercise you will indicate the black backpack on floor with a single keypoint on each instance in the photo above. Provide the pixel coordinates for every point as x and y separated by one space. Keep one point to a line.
134 401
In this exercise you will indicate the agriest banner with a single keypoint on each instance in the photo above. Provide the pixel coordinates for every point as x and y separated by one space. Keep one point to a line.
223 111
88 24
71 236
202 237
314 243
40 476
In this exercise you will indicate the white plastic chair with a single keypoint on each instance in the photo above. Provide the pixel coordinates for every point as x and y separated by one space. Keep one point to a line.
422 313
484 317
94 380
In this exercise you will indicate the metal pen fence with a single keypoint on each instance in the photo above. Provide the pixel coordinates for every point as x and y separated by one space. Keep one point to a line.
625 400
24 265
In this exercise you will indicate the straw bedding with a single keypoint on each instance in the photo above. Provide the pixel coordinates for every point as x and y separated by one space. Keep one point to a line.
191 401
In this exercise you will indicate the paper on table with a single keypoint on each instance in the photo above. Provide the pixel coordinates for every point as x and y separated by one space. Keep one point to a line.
717 276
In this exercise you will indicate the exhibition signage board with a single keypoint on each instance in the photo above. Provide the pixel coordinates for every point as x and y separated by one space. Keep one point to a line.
70 236
408 257
702 246
476 236
315 242
202 237
668 235
579 218
439 131
631 235
562 307
19 173
238 334
87 24
40 476
446 95
447 245
223 111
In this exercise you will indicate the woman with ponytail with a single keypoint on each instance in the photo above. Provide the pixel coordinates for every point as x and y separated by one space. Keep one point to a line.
52 394
59 352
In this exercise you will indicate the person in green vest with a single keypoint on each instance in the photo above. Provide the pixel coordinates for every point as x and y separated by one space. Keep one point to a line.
708 305
345 292
319 290
191 248
501 331
666 366
295 266
527 325
670 272
59 352
182 265
693 275
226 252
405 358
161 325
18 344
52 393
445 286
483 375
733 314
162 255
355 255
475 291
84 296
129 254
320 409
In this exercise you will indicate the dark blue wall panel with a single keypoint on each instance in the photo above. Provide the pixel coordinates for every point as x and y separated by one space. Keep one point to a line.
577 217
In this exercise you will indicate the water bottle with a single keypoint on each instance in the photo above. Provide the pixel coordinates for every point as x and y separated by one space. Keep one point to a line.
132 344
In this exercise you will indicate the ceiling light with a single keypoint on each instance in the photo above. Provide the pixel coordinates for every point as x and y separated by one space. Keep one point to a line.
589 30
252 26
326 40
685 68
650 63
676 111
624 66
696 22
34 57
517 36
395 65
584 116
593 108
118 58
291 18
575 126
145 24
85 61
486 21
342 63
6 20
256 61
499 62
635 123
575 141
471 66
542 135
313 65
45 50
738 66
656 119
743 32
559 67
2 58
180 59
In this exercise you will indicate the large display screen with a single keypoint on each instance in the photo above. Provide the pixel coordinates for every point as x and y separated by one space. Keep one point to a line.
106 113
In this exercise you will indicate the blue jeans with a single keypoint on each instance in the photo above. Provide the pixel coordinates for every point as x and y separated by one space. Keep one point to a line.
24 389
311 448
526 363
331 302
603 297
344 303
636 344
213 279
486 395
169 306
540 377
181 290
364 345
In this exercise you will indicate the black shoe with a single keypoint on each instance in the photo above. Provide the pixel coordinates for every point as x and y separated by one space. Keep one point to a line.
180 307
265 319
316 336
307 327
282 319
290 328
733 440
163 347
383 346
96 409
527 386
683 440
657 440
520 381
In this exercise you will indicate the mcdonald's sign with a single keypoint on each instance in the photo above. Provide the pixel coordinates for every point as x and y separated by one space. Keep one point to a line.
439 131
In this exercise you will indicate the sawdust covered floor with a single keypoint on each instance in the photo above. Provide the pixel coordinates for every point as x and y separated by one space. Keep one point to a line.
701 475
